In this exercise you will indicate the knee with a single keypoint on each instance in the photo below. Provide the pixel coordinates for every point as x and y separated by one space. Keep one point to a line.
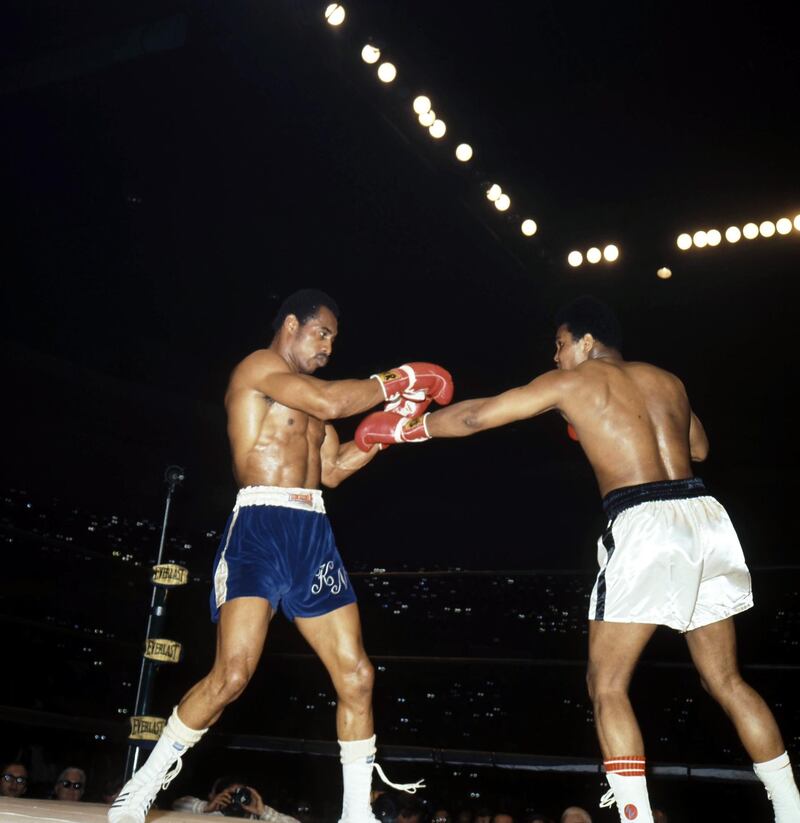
722 686
356 679
604 685
229 680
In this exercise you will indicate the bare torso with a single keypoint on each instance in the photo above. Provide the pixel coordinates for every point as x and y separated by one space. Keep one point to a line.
271 444
632 420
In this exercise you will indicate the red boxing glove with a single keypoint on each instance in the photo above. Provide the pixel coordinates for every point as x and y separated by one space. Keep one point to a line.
385 428
435 381
571 433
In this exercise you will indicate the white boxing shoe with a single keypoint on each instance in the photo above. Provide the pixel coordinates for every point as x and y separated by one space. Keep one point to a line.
137 795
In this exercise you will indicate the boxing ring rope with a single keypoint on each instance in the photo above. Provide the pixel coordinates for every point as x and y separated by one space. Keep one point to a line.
543 764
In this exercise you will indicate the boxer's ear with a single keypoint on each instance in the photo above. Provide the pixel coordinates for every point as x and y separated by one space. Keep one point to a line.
587 342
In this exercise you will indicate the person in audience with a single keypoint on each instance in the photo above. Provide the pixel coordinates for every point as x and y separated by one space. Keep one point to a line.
575 814
14 782
70 785
233 797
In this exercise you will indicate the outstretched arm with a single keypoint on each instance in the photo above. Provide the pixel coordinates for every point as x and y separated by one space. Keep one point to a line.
323 399
471 416
340 460
698 440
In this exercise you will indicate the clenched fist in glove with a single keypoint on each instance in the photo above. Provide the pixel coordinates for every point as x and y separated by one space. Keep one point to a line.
388 427
410 379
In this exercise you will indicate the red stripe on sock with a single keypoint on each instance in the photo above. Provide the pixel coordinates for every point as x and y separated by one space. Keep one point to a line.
633 766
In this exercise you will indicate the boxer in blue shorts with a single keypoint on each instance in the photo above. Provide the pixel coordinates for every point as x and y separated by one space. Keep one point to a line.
668 556
278 549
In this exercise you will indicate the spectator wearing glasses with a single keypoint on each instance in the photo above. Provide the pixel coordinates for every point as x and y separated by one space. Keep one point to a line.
15 780
70 785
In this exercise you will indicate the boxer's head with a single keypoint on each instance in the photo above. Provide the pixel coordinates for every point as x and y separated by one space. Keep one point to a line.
585 328
14 781
306 325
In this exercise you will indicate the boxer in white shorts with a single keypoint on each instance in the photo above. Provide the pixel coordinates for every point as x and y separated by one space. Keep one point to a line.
669 555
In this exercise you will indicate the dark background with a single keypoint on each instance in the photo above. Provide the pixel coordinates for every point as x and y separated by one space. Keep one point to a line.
170 171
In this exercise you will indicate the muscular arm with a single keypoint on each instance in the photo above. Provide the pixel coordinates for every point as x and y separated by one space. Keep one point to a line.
340 460
471 416
698 440
322 399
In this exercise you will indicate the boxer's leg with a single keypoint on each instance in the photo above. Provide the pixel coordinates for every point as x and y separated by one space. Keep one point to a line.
241 633
713 650
614 650
336 638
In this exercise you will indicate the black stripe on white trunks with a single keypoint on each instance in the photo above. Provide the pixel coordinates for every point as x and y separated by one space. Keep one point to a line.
600 605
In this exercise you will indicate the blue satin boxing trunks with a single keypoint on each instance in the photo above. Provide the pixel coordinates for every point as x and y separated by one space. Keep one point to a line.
278 544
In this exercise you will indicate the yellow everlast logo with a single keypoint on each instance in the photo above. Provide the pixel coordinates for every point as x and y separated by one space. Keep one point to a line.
170 574
144 727
166 651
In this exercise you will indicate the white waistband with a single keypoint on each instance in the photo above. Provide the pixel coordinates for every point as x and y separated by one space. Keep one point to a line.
309 500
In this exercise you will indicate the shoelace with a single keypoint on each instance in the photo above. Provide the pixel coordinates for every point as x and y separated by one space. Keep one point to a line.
410 788
169 776
608 799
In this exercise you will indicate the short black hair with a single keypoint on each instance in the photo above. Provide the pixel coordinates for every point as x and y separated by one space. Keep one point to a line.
588 315
226 781
304 305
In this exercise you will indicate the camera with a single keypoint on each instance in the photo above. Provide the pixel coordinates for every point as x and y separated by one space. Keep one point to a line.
239 798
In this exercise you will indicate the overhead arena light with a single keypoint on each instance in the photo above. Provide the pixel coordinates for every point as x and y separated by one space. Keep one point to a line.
664 273
594 255
783 226
493 192
422 104
335 14
387 72
700 239
733 234
713 237
438 129
574 258
611 253
502 203
464 152
529 227
750 231
797 222
370 54
684 241
427 118
767 228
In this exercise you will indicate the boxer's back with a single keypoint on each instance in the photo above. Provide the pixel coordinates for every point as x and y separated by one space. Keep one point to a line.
271 444
632 420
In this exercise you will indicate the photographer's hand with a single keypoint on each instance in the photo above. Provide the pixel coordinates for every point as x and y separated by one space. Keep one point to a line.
256 805
218 802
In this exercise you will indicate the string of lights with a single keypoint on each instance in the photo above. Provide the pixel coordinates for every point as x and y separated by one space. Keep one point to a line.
703 238
432 120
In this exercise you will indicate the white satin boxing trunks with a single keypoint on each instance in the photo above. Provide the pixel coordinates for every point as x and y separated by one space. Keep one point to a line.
669 555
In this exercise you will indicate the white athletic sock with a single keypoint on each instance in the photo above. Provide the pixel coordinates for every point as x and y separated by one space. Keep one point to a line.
176 738
626 777
358 760
778 779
